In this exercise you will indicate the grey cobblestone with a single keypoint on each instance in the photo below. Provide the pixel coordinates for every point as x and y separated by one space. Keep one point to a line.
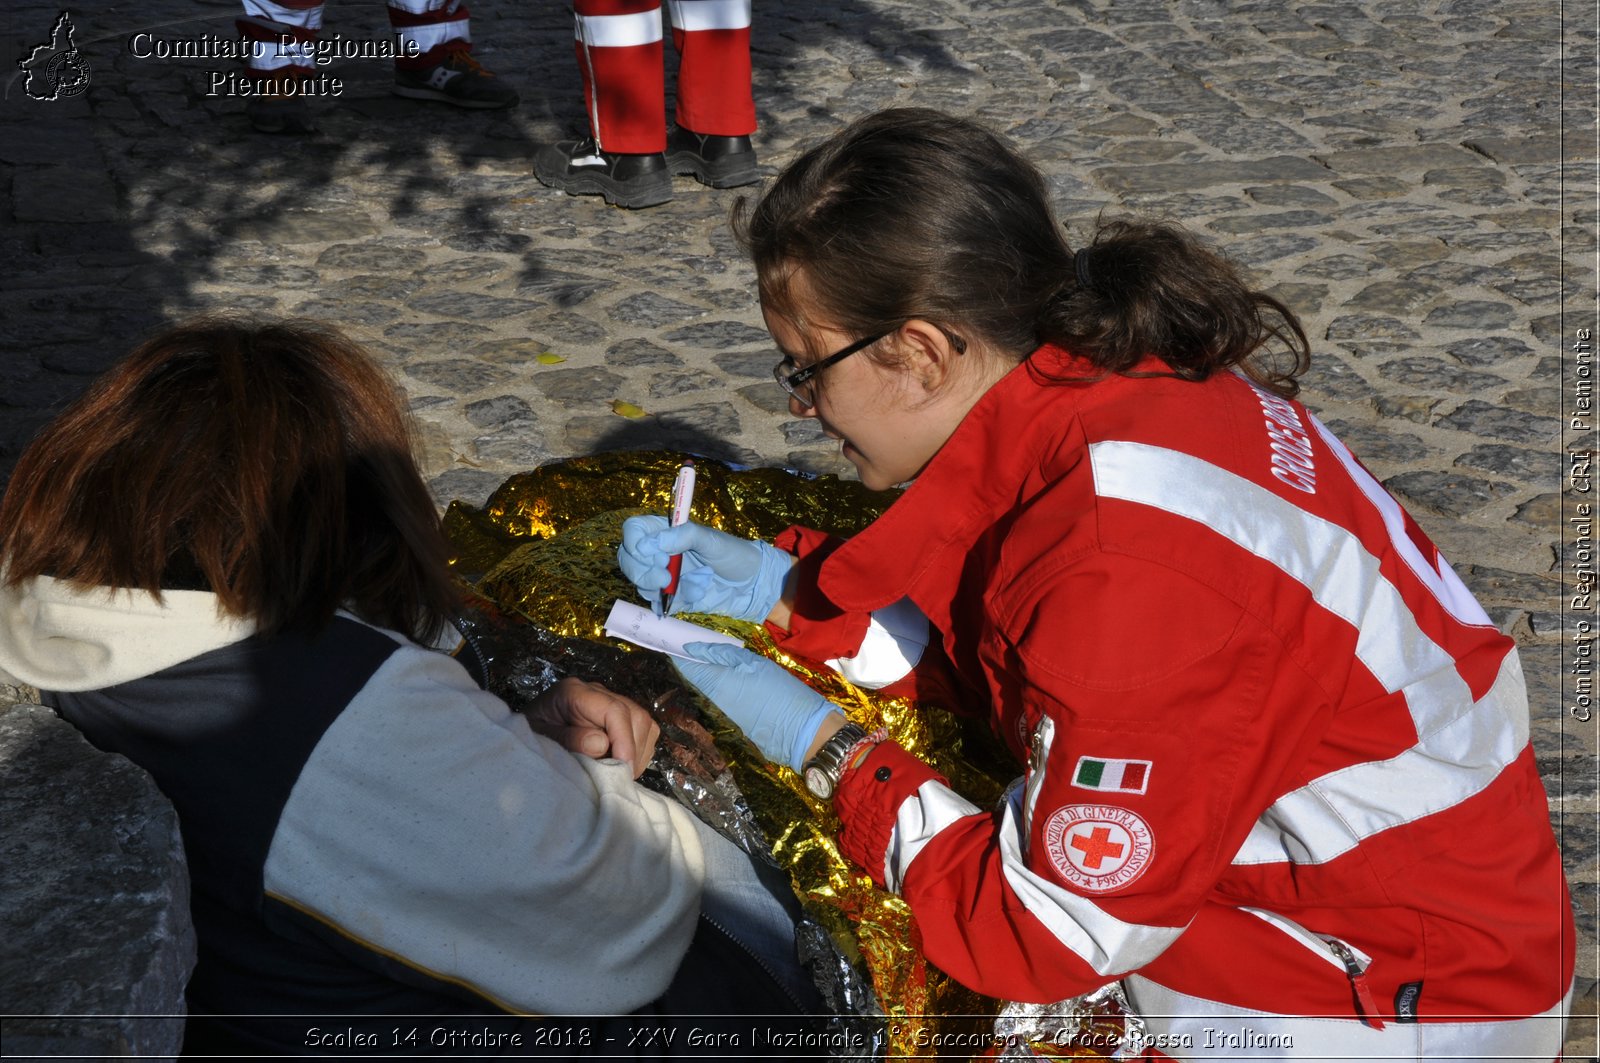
1515 462
1454 495
498 411
1482 418
1393 170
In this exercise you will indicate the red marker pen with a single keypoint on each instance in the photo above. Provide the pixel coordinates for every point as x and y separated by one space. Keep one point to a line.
682 499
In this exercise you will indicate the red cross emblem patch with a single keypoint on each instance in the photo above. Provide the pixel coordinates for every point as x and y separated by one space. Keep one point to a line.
1098 848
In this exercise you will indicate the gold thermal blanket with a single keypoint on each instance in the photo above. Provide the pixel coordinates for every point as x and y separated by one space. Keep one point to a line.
541 559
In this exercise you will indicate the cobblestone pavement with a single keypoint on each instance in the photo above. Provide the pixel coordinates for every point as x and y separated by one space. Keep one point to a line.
1393 169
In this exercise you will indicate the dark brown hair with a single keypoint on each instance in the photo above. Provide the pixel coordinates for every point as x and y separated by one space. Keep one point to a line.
269 463
911 213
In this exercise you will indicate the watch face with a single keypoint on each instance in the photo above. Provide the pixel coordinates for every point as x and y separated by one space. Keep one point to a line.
818 782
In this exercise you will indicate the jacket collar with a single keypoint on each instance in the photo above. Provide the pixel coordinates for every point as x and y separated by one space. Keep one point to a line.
60 637
915 548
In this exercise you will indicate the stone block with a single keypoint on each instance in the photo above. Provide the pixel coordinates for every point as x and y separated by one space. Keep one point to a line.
64 194
1520 151
94 898
1173 176
1413 158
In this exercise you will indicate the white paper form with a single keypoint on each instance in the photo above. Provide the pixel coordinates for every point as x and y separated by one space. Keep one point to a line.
638 625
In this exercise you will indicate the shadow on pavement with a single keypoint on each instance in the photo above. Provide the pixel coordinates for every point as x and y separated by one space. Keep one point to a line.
143 200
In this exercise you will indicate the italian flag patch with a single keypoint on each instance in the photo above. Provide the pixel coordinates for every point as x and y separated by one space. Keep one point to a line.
1112 776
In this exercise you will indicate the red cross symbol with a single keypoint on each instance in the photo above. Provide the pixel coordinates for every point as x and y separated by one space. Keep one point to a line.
1096 846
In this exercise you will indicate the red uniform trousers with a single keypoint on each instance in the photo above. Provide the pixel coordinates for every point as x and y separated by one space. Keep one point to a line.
620 56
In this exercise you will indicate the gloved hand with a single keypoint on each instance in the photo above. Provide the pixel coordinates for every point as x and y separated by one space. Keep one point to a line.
721 574
775 710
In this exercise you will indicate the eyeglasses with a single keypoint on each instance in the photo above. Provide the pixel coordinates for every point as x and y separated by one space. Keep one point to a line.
794 382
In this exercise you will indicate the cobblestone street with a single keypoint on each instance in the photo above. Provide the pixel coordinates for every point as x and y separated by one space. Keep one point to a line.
1416 179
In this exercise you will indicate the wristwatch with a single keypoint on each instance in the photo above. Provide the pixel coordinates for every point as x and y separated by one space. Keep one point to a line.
823 770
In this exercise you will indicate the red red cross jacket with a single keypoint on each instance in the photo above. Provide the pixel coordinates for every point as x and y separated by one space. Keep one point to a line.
1276 758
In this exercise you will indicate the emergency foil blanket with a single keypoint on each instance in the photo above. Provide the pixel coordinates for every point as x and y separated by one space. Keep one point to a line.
540 558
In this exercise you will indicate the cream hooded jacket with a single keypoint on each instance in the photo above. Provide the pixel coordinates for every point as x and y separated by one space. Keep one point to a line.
361 789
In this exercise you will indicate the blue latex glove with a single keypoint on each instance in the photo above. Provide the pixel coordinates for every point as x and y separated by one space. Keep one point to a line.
722 573
775 710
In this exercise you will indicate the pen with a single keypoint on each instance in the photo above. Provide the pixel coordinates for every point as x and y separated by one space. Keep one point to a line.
682 499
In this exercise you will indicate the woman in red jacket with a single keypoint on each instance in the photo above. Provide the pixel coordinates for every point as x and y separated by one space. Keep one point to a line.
1274 769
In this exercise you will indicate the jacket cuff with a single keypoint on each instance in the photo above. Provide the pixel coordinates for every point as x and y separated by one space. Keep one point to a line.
868 801
818 629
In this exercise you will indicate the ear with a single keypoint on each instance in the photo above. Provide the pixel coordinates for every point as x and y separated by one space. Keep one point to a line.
926 353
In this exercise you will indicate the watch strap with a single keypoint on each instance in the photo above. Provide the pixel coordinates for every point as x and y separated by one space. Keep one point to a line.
830 759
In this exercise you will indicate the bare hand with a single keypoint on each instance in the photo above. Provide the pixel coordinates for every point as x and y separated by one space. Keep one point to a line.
588 719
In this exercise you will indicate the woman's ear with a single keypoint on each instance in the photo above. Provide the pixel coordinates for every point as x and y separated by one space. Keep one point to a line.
926 352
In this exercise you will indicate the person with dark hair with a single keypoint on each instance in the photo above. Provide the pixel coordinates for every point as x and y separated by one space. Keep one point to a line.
1274 764
222 563
630 154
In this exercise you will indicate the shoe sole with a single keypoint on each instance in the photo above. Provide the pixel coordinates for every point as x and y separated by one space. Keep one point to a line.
613 192
732 172
442 97
284 126
285 120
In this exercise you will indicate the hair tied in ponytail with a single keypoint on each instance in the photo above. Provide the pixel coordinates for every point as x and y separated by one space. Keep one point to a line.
1080 264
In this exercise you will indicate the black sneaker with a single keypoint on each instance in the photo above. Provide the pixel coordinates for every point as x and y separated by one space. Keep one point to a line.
274 111
457 79
580 168
721 162
280 114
